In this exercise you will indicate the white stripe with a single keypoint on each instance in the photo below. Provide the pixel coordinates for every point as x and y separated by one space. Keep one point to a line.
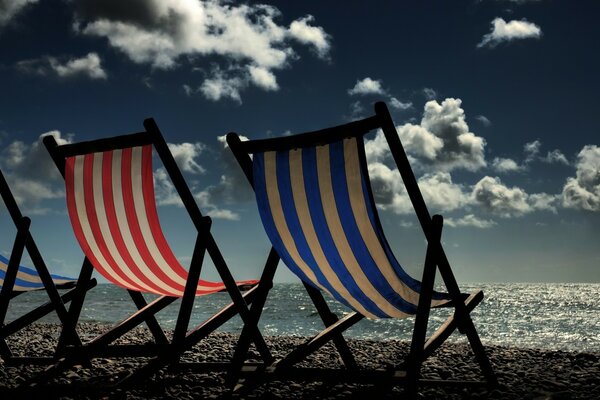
121 215
140 209
335 227
84 222
312 240
372 241
103 222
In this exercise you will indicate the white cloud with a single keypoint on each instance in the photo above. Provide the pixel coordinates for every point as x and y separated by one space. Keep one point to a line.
469 220
219 87
263 78
185 155
440 193
165 192
89 66
491 194
31 173
583 191
311 35
366 86
495 197
503 31
388 190
543 201
246 38
419 141
206 199
443 138
532 149
555 156
500 164
429 93
10 8
484 120
399 105
232 187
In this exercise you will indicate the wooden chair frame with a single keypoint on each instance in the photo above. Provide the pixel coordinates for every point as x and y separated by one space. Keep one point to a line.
162 351
421 347
24 241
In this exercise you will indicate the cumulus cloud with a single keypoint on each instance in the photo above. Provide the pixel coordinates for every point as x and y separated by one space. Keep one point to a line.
162 33
469 220
89 66
582 192
555 156
399 105
10 8
443 138
311 35
220 87
185 155
532 153
31 173
232 187
491 194
366 86
500 164
484 120
438 189
503 31
429 93
263 78
440 193
212 198
497 198
532 149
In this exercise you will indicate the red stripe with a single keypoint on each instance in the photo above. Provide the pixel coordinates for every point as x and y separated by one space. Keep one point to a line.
111 215
74 217
157 233
152 214
132 222
90 209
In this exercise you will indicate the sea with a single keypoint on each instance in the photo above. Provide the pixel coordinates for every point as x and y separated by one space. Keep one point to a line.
548 316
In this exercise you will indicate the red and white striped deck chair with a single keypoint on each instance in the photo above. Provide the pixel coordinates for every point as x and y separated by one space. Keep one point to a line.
111 205
317 207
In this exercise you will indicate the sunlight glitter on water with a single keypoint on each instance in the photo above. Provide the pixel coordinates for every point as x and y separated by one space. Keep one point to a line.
548 316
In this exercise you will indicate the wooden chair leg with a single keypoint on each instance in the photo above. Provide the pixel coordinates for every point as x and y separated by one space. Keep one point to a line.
329 318
415 357
247 337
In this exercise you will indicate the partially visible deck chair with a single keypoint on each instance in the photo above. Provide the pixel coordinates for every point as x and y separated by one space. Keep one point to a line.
317 207
16 280
112 208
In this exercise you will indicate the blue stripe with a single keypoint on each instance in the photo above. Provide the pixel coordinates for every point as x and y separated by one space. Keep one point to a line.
264 209
313 194
353 234
411 282
293 223
29 271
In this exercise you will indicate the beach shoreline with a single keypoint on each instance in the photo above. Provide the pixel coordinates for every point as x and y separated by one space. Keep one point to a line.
522 373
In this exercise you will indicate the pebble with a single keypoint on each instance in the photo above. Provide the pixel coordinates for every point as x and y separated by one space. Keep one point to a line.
522 373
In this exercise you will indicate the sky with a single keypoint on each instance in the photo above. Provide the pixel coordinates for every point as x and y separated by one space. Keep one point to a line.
495 101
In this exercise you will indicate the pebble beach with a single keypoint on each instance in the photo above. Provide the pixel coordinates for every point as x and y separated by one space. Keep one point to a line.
523 373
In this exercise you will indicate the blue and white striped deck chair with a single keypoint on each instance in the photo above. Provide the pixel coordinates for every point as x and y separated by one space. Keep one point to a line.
16 279
316 204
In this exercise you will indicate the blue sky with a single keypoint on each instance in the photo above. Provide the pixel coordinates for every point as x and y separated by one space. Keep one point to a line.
495 101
